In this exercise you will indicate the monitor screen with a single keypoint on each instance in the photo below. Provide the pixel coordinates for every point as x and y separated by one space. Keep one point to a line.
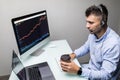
31 31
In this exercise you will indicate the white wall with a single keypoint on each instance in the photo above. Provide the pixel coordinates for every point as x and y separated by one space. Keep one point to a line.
66 21
119 26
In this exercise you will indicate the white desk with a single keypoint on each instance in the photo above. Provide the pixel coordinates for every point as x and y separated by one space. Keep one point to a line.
50 54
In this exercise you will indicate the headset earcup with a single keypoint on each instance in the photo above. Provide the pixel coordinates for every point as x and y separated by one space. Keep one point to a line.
102 23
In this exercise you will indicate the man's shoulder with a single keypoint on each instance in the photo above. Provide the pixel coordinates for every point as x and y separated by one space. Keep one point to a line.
113 37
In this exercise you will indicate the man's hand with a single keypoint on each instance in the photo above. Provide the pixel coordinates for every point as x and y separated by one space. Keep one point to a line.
70 67
72 55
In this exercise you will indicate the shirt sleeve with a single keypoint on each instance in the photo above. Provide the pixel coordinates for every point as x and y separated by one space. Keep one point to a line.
83 50
109 65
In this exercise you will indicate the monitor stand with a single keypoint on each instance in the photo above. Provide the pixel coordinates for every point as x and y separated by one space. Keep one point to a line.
37 52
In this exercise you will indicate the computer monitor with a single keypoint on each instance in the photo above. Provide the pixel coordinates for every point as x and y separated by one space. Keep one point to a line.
31 32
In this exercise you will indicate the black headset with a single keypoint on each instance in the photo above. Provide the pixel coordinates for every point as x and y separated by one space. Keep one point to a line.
101 10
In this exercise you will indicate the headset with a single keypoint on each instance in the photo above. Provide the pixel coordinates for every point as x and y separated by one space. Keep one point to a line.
101 10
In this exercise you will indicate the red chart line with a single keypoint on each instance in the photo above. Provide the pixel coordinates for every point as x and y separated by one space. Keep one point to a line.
37 25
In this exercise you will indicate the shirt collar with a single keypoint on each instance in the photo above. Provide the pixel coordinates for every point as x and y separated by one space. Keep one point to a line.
103 36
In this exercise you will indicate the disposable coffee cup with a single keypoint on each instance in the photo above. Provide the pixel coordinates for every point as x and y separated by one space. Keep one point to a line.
66 58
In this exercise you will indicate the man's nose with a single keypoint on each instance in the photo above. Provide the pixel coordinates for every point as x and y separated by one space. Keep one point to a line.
87 25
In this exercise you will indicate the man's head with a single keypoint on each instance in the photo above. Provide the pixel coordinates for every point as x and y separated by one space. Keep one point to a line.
96 17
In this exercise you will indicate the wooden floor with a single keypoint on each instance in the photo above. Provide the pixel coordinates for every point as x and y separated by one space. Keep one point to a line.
4 77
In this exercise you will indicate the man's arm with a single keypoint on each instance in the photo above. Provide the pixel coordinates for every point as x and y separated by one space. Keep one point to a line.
72 67
84 49
108 66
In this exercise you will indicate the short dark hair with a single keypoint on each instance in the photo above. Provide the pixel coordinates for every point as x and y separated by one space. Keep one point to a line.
99 10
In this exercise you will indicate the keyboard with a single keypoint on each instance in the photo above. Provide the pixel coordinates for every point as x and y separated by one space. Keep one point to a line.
34 73
58 62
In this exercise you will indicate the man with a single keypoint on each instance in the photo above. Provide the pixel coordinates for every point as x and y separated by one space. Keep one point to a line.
103 44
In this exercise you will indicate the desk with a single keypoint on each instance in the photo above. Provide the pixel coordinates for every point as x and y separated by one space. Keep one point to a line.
50 54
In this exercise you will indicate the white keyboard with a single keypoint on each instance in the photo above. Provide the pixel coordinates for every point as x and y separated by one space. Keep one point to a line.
58 62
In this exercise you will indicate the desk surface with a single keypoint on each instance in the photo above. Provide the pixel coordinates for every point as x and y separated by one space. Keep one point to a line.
52 51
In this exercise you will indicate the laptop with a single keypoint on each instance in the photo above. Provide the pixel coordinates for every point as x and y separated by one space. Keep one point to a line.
39 71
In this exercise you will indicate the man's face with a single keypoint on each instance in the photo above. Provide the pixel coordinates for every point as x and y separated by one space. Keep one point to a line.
93 24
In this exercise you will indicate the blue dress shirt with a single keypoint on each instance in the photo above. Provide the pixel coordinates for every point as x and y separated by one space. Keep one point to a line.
104 55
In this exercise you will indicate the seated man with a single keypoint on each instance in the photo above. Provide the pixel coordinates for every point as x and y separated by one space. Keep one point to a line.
103 44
